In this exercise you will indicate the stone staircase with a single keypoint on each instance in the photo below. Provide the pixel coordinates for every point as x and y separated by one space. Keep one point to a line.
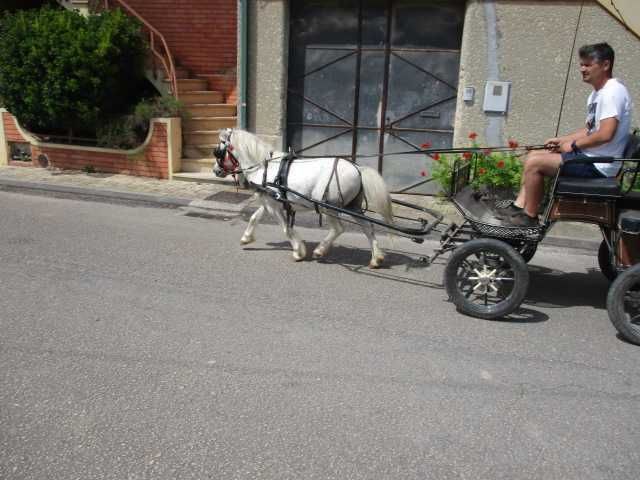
208 114
206 107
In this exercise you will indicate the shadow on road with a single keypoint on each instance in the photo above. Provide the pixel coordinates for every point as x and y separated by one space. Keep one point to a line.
356 260
552 288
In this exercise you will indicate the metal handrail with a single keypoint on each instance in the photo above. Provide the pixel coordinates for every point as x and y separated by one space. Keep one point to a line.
166 59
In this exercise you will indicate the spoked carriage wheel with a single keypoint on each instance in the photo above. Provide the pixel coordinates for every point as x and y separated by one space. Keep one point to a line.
486 278
623 304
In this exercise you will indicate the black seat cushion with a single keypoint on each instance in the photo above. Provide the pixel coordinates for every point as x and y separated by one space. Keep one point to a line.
629 221
631 200
598 187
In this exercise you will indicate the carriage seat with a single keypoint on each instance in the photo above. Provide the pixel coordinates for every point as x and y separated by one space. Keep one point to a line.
596 187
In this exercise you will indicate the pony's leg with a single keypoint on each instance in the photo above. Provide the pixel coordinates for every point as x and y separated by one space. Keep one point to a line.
335 230
248 236
297 244
377 254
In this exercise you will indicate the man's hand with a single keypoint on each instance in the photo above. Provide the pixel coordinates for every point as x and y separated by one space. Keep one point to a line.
552 144
565 147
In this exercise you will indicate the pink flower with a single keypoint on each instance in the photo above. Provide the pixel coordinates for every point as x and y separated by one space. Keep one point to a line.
500 164
482 171
466 155
473 135
436 157
513 144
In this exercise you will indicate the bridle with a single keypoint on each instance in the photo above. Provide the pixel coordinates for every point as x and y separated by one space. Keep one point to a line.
225 158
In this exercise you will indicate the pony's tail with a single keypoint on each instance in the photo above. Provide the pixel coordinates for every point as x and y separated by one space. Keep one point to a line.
376 193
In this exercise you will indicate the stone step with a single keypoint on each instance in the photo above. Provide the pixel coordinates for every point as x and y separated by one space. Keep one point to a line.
203 177
209 123
201 137
190 85
211 110
199 97
201 165
198 151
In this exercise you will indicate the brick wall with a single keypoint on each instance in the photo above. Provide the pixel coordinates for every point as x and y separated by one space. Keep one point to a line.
10 129
151 161
201 34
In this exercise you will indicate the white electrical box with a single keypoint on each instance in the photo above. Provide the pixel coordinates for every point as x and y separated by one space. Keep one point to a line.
468 94
496 96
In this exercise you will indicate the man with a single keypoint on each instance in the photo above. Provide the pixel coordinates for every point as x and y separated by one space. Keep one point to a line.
605 134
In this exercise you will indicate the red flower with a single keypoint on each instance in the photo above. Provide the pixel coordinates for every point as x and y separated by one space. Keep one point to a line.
500 164
487 151
466 155
482 171
423 173
436 157
425 145
473 135
513 144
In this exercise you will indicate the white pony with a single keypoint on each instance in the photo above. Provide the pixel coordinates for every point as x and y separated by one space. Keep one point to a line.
332 180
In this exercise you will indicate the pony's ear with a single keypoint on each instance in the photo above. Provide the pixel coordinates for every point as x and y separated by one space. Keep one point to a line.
225 135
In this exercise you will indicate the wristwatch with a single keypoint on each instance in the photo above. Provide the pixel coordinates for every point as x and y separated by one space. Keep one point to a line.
574 147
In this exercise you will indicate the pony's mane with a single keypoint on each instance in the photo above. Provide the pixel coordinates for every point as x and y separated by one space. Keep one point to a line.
251 149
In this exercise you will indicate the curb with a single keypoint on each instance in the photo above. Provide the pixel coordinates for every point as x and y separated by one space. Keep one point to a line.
220 208
96 192
572 243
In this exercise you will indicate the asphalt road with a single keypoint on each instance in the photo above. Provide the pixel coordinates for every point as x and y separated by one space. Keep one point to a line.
144 343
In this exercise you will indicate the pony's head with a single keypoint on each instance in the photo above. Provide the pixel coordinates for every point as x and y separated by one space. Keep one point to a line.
239 150
226 161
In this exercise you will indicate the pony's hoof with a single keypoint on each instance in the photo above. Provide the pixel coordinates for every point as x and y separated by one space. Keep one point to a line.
247 240
374 264
319 252
300 254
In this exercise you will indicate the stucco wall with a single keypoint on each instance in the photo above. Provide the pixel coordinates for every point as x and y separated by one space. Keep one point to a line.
268 49
529 44
526 42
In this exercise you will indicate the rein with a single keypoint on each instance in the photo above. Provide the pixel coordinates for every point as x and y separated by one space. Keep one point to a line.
225 150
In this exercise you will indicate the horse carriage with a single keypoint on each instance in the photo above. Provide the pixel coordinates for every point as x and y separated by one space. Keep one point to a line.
486 274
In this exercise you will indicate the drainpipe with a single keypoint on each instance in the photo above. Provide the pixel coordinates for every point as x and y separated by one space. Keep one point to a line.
242 60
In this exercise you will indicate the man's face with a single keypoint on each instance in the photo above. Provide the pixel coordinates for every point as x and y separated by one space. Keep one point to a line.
594 72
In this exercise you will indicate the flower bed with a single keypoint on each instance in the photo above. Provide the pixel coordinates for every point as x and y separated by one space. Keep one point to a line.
495 171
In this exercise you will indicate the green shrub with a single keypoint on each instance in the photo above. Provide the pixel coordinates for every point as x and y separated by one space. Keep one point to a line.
166 106
129 131
119 132
501 170
62 72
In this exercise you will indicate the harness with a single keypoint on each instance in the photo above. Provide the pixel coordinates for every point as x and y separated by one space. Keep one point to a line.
281 180
278 189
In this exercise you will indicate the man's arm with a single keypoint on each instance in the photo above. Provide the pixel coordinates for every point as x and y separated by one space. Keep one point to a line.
556 141
603 135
